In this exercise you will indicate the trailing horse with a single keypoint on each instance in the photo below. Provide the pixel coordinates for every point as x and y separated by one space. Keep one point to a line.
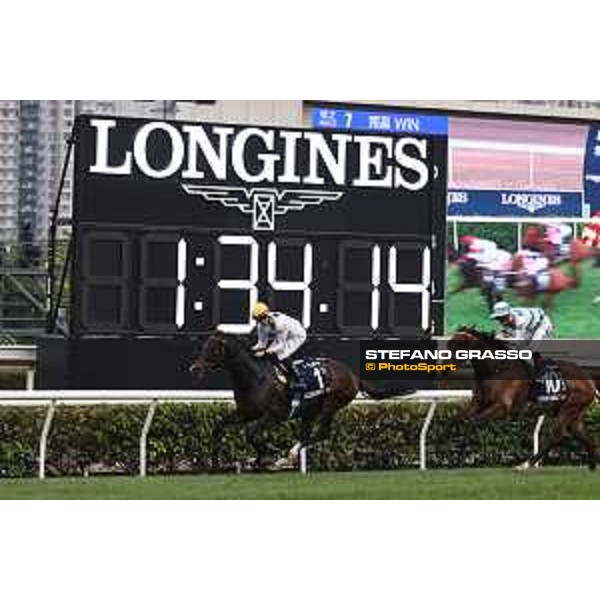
502 388
262 400
555 282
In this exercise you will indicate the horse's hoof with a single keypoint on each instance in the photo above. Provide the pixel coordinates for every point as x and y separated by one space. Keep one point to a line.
522 467
294 454
283 464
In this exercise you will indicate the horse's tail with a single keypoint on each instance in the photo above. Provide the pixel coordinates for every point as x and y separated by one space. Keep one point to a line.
383 393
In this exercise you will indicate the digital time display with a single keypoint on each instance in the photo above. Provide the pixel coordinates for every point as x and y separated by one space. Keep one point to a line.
191 282
180 227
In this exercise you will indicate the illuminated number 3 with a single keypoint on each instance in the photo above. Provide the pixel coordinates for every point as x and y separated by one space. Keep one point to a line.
241 284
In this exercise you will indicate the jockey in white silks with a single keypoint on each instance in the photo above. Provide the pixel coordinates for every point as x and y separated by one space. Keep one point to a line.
525 324
529 326
558 236
481 251
278 334
493 261
536 267
496 268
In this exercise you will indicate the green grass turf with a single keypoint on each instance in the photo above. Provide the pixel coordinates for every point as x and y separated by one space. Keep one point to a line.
573 314
549 483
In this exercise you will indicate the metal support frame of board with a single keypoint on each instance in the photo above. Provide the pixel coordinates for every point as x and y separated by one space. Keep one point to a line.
51 306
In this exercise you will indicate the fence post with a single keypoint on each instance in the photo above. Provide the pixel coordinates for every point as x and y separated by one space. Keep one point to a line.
536 435
30 379
423 436
44 439
303 460
144 436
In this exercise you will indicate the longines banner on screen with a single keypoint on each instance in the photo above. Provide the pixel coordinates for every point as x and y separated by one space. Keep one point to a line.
515 203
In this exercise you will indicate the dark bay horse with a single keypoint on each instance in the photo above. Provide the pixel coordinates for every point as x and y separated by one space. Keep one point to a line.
503 387
262 400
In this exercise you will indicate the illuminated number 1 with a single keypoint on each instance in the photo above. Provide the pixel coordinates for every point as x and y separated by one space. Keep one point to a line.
181 275
241 284
375 281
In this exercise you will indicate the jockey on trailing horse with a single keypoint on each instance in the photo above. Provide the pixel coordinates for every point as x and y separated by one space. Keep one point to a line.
557 239
530 325
279 337
536 268
492 262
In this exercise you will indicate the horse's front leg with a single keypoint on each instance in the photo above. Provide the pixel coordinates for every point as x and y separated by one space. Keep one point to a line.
304 437
255 435
558 434
228 420
313 431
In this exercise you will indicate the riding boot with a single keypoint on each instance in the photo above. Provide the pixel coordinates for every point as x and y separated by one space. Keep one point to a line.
296 392
296 389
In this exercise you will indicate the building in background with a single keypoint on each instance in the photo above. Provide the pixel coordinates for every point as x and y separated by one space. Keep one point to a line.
9 169
33 136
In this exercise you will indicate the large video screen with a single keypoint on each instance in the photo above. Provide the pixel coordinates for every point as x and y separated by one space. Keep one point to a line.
522 195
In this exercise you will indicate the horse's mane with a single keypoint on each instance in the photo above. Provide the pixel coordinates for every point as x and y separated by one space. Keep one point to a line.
237 340
486 336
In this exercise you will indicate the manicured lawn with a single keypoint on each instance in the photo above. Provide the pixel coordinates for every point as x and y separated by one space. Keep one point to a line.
549 483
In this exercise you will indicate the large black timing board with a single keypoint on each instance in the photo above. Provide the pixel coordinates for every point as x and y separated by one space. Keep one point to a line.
180 227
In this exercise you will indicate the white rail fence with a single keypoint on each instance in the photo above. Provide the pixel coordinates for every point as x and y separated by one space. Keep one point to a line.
152 398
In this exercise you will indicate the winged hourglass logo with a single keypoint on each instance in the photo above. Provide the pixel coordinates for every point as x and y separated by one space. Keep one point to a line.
264 204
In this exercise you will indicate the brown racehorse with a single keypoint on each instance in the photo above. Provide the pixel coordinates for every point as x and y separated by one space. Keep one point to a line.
261 397
504 388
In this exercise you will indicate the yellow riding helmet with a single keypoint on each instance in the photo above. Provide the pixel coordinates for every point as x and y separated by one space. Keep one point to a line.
260 309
